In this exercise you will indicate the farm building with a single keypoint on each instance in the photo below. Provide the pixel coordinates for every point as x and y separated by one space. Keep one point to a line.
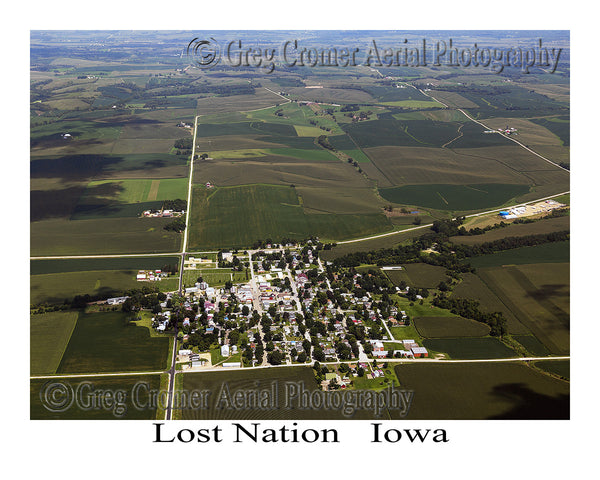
419 352
225 350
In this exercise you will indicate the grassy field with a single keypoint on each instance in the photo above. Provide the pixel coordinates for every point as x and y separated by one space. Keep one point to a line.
104 342
555 252
538 295
213 276
420 275
436 327
49 336
470 348
123 408
239 216
483 391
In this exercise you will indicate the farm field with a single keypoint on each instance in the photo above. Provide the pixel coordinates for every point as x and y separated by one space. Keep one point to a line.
538 295
239 216
102 236
259 379
127 409
547 225
470 348
49 336
41 267
438 327
474 288
532 344
555 252
559 367
427 165
104 342
454 197
58 287
483 391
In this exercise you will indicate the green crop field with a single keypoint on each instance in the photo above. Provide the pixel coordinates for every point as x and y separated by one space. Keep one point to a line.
533 345
123 408
102 236
454 197
560 126
470 348
61 286
104 342
239 216
49 336
40 267
555 252
437 327
474 288
559 367
423 275
538 295
483 391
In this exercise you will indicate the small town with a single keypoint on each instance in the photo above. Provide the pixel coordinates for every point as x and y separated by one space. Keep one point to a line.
293 310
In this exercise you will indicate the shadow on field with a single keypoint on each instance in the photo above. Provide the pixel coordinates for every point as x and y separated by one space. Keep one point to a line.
65 202
71 167
530 405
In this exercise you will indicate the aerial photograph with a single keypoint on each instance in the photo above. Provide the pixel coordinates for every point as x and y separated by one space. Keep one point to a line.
286 225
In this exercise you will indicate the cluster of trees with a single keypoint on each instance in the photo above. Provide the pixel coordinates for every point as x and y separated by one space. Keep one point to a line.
184 143
177 225
178 205
324 142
